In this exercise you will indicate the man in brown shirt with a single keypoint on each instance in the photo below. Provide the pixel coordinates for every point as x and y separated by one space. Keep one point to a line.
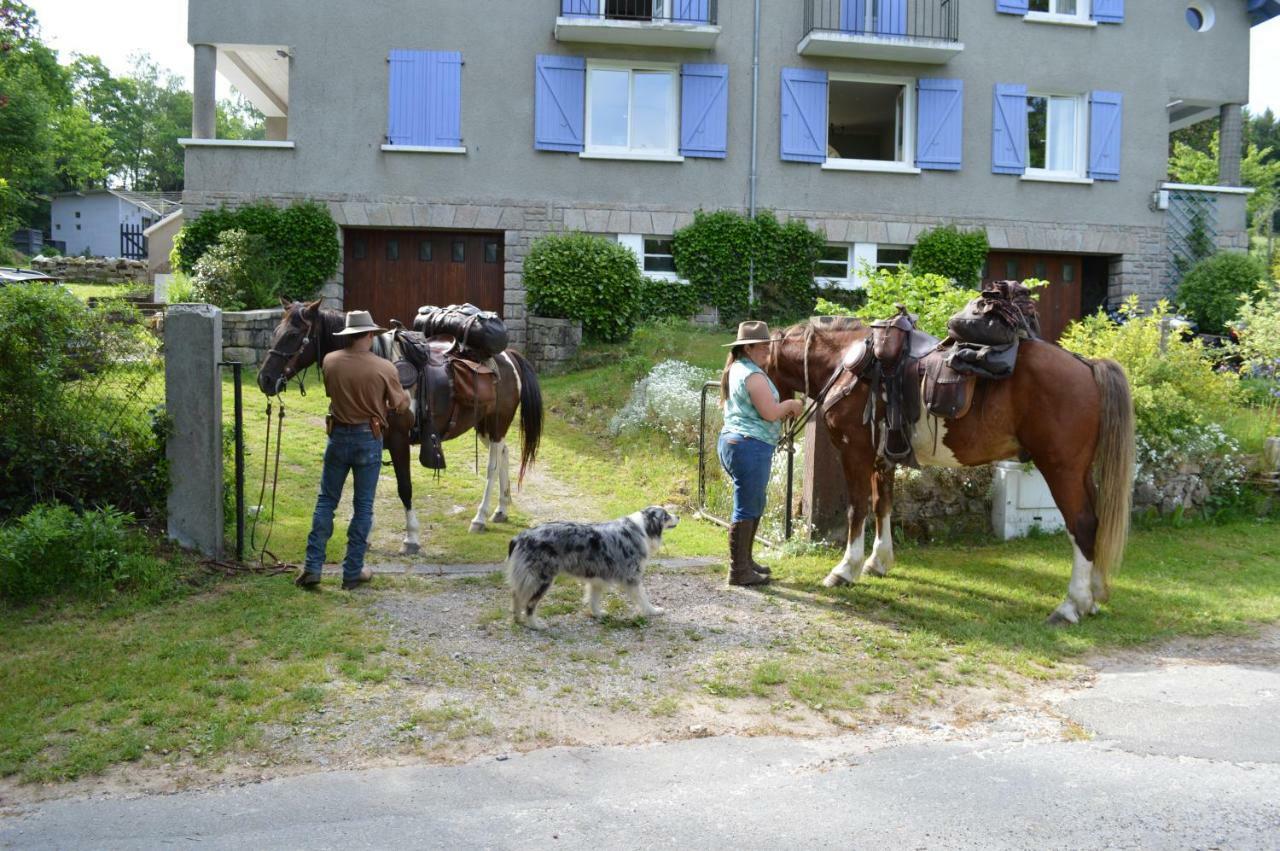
363 389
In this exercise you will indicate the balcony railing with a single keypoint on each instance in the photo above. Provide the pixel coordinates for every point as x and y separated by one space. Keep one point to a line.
646 23
892 30
915 19
652 11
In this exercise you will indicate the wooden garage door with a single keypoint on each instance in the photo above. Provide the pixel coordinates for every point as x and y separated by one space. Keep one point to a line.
391 273
1059 303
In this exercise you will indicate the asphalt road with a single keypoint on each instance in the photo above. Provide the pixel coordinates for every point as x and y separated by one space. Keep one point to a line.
1183 754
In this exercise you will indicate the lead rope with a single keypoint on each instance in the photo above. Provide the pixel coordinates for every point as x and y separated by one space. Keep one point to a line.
266 459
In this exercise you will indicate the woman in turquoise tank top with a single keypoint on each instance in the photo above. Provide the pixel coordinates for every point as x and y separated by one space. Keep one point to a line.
753 416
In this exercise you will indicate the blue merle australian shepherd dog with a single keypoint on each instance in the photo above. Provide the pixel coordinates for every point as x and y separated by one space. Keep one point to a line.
599 554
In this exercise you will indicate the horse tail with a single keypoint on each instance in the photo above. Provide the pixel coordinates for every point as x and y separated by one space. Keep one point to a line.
1113 468
530 412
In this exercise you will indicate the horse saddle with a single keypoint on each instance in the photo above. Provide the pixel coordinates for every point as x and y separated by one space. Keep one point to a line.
948 393
445 384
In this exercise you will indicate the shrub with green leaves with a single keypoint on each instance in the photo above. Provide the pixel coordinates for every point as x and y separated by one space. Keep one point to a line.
933 299
53 551
64 434
302 238
719 252
588 278
951 253
1175 387
1259 330
238 272
1210 292
662 298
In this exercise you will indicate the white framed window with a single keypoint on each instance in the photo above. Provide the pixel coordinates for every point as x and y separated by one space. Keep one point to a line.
1059 11
844 265
633 111
1057 135
653 254
871 123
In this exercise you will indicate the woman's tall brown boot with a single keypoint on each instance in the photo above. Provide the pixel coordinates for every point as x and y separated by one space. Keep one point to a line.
752 526
740 571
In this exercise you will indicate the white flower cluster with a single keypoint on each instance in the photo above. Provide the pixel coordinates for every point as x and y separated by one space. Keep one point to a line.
667 400
1203 452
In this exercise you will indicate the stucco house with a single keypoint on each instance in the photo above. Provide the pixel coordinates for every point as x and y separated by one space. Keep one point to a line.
445 137
106 222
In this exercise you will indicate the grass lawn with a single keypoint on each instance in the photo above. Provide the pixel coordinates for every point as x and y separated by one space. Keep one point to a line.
228 671
84 291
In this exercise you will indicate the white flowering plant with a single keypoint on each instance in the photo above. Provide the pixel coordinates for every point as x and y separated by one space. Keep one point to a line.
668 400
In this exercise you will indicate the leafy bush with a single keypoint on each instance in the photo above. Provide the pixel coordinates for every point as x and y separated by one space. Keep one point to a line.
302 238
667 400
53 551
931 298
1175 387
66 433
951 253
718 252
1210 292
1259 333
661 298
238 272
181 290
593 280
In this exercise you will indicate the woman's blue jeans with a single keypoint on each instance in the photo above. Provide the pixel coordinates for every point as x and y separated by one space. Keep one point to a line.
350 449
747 461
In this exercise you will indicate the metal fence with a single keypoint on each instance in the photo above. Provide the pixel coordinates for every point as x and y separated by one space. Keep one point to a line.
662 11
923 19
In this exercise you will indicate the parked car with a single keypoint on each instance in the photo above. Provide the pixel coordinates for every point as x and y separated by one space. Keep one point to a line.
14 275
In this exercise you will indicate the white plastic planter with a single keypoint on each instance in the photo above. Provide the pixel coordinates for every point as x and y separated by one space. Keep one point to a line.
1021 501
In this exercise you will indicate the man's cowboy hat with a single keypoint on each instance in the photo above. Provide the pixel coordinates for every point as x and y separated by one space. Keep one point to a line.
750 332
359 322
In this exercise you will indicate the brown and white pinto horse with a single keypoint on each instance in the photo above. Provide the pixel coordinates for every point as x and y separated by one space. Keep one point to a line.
306 334
1073 418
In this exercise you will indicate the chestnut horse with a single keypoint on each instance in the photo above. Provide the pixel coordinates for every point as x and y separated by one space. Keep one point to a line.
305 335
1072 417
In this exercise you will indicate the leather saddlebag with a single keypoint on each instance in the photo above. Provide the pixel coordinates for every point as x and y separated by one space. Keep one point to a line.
481 333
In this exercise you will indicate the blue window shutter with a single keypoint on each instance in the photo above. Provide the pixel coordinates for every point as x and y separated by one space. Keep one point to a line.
580 8
853 16
444 99
940 124
1009 129
891 17
692 11
403 108
704 111
804 115
1108 11
560 92
1012 7
425 98
1104 135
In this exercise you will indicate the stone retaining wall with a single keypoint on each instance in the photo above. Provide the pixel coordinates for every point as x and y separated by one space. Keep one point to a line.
551 343
938 503
246 335
98 270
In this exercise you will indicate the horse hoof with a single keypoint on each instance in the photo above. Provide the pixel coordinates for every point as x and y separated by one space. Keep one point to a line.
874 566
408 549
1060 618
835 580
476 526
499 517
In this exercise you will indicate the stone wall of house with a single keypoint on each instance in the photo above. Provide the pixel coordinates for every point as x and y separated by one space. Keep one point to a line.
246 335
98 270
938 503
551 343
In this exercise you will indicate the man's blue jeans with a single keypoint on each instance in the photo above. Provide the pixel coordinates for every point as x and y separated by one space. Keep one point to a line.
747 461
350 449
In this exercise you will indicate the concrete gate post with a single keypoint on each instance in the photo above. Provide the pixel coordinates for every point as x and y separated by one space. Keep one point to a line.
825 498
193 399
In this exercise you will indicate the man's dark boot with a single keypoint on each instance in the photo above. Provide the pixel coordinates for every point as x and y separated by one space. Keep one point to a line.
307 581
752 526
740 572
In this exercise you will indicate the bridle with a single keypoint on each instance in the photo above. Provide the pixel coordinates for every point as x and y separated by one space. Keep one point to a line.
290 370
812 405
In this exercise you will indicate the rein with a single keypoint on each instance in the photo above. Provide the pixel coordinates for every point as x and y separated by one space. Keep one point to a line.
275 480
797 426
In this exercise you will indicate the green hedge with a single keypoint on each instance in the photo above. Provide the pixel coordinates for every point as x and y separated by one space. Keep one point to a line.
1210 293
662 298
588 278
302 240
951 253
716 254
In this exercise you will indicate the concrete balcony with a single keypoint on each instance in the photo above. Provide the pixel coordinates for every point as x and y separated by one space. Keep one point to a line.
690 24
918 31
